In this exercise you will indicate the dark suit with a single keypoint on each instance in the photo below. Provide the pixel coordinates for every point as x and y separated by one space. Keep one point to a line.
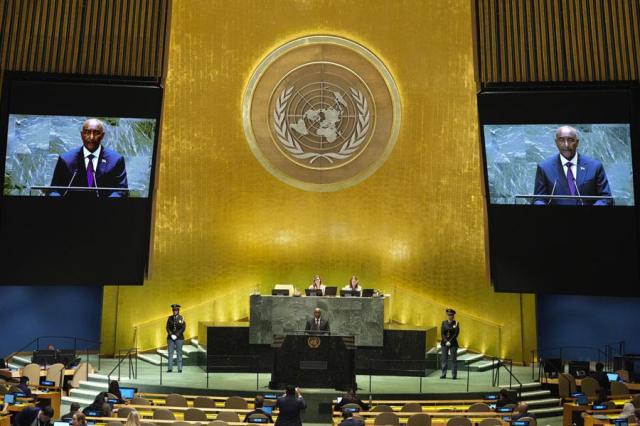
322 327
449 332
175 325
257 411
110 173
28 417
603 380
590 180
289 410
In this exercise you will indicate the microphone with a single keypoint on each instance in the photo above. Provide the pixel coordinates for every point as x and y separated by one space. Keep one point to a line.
95 180
553 190
70 182
579 195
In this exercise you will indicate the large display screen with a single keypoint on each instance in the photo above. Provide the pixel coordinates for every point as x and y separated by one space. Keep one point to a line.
524 160
48 155
78 156
560 189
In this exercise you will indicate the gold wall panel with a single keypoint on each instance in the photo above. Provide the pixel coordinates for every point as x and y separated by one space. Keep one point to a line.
557 40
97 37
224 225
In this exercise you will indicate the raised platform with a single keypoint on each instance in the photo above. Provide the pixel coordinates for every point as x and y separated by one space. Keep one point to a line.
194 381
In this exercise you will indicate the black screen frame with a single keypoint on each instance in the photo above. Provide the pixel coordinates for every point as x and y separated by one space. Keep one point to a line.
115 250
596 260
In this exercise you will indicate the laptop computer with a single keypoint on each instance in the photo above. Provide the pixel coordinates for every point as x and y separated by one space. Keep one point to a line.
257 420
330 291
520 423
312 292
128 393
614 377
9 398
367 292
267 409
349 293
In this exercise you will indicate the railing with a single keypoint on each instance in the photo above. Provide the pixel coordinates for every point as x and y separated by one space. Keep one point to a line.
544 356
479 334
35 344
507 364
126 354
227 306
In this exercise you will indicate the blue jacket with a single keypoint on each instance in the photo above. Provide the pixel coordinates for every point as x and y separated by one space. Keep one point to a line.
591 180
110 173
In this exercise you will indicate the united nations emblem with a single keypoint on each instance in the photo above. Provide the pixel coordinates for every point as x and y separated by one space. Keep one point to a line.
313 342
321 113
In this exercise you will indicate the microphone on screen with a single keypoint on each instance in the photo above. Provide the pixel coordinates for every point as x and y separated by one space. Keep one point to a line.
552 191
70 182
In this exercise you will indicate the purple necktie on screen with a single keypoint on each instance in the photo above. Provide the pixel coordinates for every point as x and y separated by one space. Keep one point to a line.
90 171
570 179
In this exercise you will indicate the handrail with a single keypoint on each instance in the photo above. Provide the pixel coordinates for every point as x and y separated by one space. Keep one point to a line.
133 368
502 362
36 342
605 355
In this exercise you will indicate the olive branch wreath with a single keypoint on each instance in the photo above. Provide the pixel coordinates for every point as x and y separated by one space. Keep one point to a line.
294 147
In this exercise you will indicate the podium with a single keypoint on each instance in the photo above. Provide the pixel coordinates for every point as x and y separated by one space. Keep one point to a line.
313 360
95 191
567 199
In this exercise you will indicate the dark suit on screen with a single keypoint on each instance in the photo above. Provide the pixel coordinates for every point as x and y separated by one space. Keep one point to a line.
110 173
322 326
591 180
289 408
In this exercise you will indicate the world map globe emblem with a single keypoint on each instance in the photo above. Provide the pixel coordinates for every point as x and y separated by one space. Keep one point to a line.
321 113
322 121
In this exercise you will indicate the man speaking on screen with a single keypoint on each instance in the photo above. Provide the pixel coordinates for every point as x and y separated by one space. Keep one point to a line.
570 173
92 166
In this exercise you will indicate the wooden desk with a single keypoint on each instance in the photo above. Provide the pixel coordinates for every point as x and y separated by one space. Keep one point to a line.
54 400
569 409
5 420
630 386
437 419
104 420
16 374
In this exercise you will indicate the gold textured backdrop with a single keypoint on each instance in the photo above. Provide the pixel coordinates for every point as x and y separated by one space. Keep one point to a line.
224 225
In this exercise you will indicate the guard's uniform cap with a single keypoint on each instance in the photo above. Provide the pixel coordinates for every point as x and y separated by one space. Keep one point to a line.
450 311
175 306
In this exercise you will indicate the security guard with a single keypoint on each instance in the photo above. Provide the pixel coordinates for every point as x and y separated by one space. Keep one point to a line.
175 336
449 331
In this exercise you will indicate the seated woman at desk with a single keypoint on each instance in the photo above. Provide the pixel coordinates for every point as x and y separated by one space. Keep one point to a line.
317 284
354 284
99 407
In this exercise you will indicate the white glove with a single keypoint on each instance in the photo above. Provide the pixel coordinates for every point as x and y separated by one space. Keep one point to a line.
174 337
448 344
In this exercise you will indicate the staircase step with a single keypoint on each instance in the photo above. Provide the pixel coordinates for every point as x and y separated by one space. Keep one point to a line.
535 394
531 385
190 349
84 393
543 402
165 353
437 349
21 361
96 377
98 386
151 358
194 341
14 366
470 358
546 412
481 365
82 401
